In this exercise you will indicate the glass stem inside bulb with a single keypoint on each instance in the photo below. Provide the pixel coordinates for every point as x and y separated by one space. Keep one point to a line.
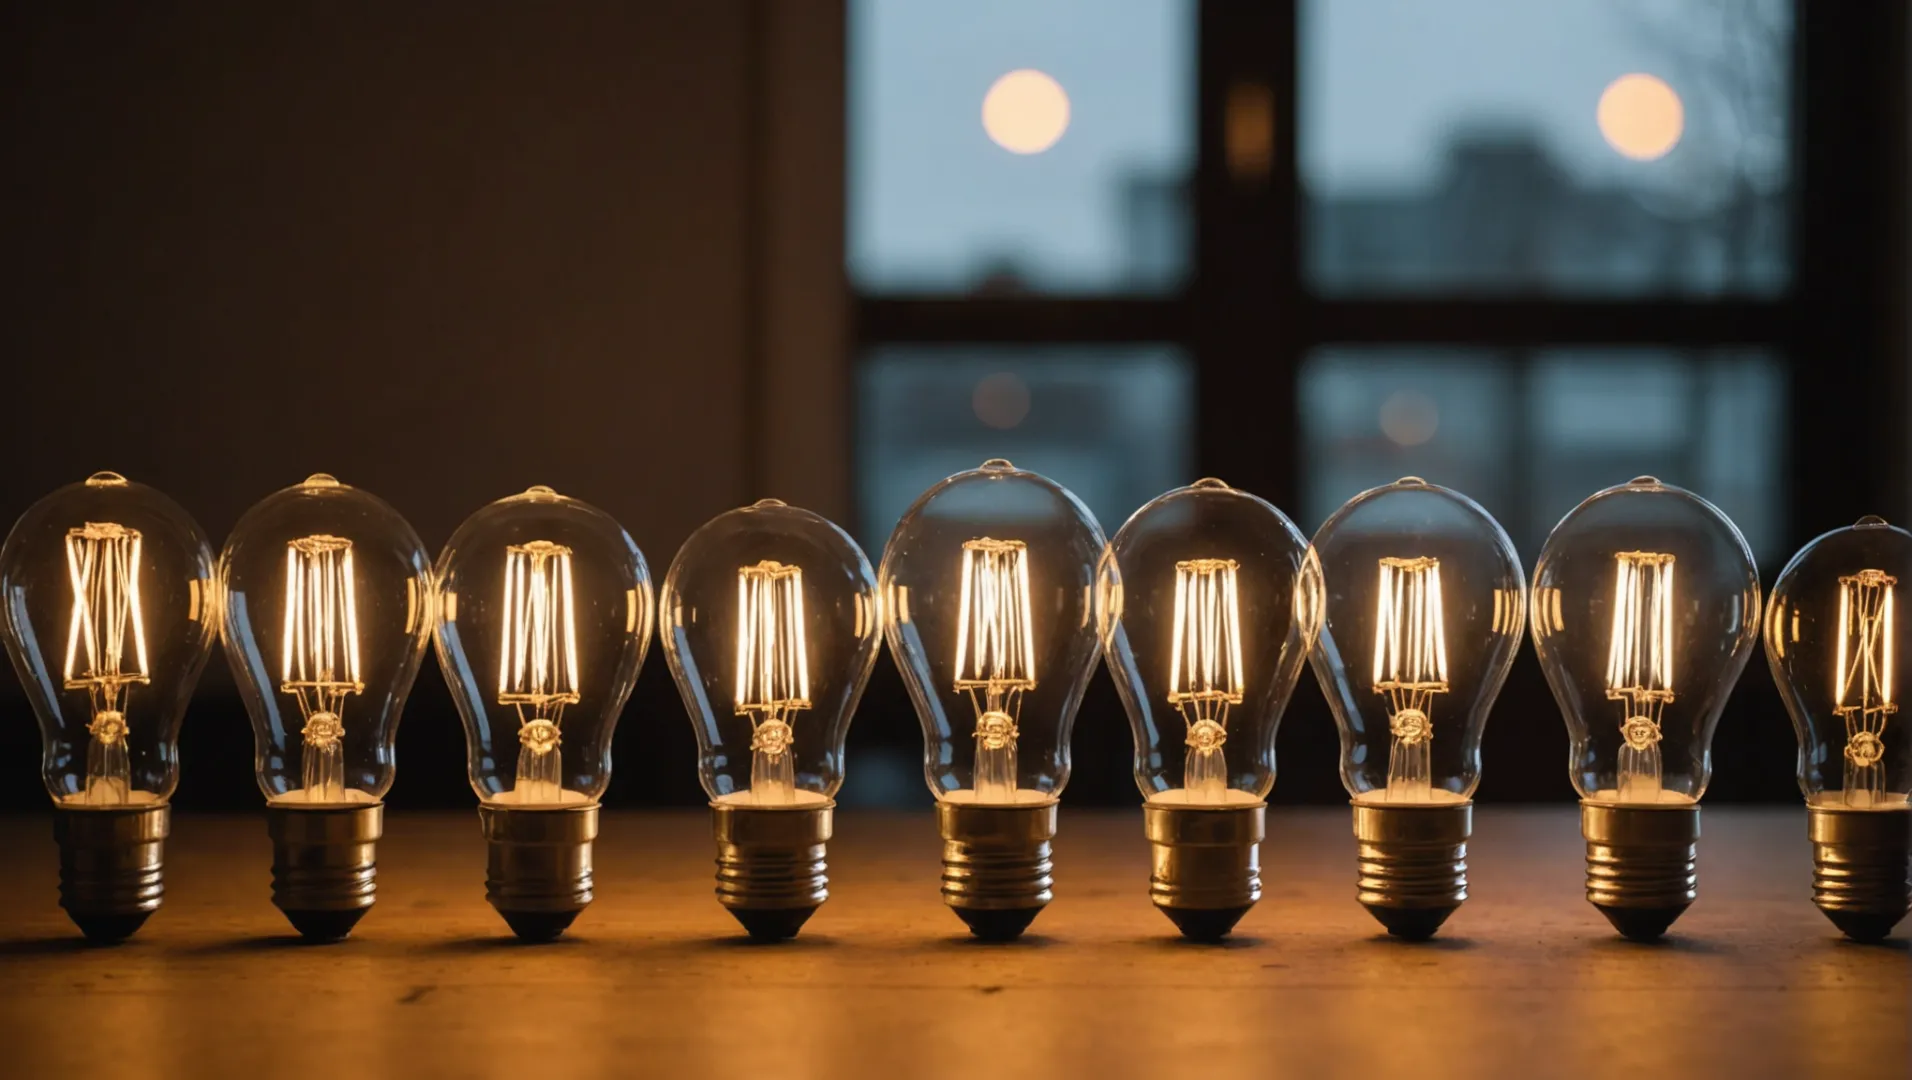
773 777
1205 775
108 773
996 750
324 770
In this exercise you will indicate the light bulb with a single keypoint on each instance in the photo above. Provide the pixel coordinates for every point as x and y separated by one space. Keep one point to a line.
327 594
543 617
1425 609
988 586
1836 643
110 613
770 626
1208 601
1645 608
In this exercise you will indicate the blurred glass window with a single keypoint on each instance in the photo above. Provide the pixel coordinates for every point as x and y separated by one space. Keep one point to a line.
1530 435
1582 147
1114 424
1016 146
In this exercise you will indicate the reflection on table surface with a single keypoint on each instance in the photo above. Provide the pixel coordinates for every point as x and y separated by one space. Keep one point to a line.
1526 979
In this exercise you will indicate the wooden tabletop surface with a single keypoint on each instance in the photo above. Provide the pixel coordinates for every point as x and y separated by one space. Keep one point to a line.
1526 980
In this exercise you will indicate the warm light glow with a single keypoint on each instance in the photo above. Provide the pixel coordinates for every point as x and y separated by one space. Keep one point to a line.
538 664
1862 679
1640 666
1410 667
995 656
320 659
1025 112
773 674
994 651
1641 116
1205 669
102 561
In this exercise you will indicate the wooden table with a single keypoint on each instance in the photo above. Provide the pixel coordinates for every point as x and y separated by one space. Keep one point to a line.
1526 980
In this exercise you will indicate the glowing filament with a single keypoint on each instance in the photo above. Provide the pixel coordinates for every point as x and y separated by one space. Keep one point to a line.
1862 686
538 666
320 658
1205 670
1640 665
1410 666
773 665
995 654
102 561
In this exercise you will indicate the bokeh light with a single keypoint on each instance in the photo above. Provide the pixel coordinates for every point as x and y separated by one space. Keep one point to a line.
1001 400
1641 116
1025 112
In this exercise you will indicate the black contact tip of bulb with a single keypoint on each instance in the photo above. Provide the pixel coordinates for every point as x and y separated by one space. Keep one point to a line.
773 924
537 927
1864 927
1206 925
325 926
1642 923
1412 924
109 929
998 924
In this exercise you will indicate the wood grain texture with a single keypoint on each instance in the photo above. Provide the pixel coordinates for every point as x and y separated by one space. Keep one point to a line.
1526 980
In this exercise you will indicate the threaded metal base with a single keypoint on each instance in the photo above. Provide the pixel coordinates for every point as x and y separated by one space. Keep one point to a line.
770 868
325 866
997 873
1207 865
1412 864
1641 870
112 870
1861 862
538 866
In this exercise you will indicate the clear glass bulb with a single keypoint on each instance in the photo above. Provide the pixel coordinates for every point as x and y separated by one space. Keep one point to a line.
110 615
1836 648
1210 603
543 620
770 626
1645 609
988 585
327 594
1424 612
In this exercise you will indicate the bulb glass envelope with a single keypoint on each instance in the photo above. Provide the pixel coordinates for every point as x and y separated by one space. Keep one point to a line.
1208 603
1645 608
988 596
1835 641
543 620
1425 606
110 614
771 627
327 596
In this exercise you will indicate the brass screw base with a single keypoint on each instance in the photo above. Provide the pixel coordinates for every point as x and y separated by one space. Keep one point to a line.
1861 860
112 874
325 866
997 865
1641 870
538 866
770 868
1207 865
1412 864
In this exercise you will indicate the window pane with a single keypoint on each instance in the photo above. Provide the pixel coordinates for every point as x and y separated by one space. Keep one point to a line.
949 196
1528 437
1114 425
1585 147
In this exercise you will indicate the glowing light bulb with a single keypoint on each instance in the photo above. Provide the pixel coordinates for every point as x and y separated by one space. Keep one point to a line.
327 593
771 628
1836 648
110 613
1424 613
542 620
988 586
1208 601
1025 111
1645 608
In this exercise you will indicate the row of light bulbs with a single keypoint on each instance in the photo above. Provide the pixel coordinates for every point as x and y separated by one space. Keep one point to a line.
998 594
